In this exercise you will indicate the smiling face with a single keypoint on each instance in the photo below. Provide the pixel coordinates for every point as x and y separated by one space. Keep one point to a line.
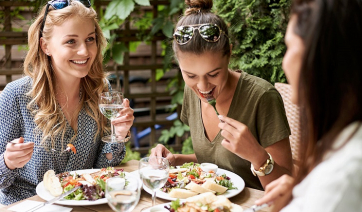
292 61
205 74
72 48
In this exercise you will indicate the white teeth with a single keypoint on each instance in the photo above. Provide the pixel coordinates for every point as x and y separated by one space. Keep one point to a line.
79 62
205 92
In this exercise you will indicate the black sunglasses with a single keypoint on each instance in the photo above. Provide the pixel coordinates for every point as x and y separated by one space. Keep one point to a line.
60 4
209 32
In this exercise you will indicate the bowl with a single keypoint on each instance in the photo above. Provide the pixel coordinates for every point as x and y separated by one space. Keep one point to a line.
208 167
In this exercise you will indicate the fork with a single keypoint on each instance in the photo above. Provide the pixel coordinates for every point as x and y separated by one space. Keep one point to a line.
69 148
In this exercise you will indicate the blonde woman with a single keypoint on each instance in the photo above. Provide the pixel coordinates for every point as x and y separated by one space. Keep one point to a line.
56 103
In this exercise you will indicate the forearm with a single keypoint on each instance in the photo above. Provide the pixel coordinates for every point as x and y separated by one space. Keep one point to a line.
7 176
181 159
282 157
277 172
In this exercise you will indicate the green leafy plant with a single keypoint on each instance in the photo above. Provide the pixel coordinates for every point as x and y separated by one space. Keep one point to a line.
257 29
130 155
115 15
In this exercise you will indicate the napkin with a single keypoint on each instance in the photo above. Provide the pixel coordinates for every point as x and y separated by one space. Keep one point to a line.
29 204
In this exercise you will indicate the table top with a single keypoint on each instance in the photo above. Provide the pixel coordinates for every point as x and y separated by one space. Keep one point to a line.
246 198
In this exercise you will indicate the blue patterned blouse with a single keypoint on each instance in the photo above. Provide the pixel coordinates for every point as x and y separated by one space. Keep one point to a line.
16 121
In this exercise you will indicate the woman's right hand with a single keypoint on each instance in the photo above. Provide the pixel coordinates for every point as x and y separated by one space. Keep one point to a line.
161 151
278 192
18 153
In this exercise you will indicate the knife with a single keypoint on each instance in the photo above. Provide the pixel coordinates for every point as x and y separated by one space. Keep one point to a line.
257 207
54 199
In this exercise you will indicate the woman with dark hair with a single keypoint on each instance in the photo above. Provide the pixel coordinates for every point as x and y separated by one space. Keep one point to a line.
250 137
324 67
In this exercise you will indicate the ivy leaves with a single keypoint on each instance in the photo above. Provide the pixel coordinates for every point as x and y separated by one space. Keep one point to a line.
117 11
123 8
257 28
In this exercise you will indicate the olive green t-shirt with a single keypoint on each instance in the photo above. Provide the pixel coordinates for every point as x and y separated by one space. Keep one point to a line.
258 105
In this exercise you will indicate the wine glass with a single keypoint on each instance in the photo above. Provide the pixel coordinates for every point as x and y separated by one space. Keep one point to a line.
110 103
154 173
123 194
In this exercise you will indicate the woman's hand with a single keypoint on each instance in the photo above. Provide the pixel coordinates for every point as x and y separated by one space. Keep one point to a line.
18 153
124 121
161 151
239 140
278 192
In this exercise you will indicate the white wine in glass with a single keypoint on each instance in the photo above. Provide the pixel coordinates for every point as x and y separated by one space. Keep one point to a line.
122 193
110 103
154 173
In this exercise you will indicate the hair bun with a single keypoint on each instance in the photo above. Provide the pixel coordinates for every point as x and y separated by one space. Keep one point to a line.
197 6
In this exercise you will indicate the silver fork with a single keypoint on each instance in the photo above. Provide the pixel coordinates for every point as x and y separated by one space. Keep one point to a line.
68 149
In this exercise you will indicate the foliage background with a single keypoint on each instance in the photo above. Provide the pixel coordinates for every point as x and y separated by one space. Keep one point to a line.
257 29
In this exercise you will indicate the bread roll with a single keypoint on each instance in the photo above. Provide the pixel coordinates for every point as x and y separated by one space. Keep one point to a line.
236 208
181 193
197 188
215 187
52 183
221 200
205 198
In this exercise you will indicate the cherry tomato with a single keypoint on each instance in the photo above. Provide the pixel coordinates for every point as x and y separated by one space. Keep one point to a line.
191 176
172 175
216 210
72 148
170 181
219 178
68 183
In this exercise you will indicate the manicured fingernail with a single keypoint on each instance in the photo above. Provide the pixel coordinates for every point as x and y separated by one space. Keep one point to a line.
221 117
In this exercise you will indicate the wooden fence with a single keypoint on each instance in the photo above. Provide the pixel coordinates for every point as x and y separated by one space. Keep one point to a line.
149 96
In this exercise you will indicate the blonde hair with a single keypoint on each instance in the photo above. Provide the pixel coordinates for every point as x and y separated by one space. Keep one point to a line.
47 113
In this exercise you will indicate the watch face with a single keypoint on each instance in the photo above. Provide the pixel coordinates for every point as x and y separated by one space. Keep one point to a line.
268 168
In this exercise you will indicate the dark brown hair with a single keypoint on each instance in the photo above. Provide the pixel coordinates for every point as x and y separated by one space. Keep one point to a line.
199 12
330 80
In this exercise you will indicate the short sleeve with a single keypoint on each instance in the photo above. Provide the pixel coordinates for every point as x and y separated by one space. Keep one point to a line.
271 121
185 106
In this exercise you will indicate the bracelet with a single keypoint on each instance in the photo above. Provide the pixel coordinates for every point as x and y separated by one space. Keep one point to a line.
128 136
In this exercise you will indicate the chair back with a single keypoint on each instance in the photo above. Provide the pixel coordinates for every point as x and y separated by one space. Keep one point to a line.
292 111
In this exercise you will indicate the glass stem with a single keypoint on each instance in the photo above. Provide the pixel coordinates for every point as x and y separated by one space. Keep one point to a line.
154 198
113 130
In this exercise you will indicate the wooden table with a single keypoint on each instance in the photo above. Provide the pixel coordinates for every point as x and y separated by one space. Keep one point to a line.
246 198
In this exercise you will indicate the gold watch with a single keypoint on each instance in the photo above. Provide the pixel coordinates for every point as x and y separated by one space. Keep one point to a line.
265 169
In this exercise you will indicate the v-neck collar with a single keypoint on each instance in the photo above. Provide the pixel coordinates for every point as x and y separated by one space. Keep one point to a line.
236 93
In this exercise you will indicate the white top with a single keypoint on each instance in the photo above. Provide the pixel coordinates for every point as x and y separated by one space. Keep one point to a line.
336 183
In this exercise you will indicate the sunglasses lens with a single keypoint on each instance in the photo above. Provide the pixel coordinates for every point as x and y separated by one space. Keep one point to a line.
210 32
183 34
59 4
86 3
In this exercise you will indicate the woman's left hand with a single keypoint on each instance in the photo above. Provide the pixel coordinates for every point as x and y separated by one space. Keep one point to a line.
124 120
239 140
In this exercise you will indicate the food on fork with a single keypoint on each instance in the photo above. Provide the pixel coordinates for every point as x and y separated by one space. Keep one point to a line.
71 147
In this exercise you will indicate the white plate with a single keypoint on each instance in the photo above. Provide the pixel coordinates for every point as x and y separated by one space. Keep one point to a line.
45 194
158 208
237 181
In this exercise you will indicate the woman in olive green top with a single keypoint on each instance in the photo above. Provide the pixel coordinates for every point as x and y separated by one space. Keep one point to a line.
251 134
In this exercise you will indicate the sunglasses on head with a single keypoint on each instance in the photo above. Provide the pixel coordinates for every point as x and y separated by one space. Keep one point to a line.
60 4
209 32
